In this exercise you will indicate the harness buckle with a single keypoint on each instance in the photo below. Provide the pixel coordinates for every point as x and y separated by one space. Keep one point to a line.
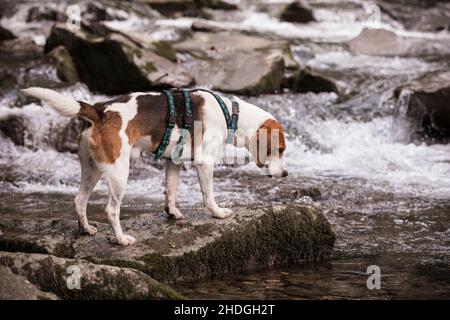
171 119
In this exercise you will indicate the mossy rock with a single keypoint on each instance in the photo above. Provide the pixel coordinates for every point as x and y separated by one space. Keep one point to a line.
277 237
201 247
51 274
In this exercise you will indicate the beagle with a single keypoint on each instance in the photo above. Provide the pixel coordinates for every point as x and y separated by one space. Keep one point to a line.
124 127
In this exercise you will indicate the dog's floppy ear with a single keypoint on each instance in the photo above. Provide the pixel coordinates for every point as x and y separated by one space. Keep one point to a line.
264 143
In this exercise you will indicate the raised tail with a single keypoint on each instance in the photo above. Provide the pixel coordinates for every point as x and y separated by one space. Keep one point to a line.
63 105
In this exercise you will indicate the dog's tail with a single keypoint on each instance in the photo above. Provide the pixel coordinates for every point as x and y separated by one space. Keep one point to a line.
63 105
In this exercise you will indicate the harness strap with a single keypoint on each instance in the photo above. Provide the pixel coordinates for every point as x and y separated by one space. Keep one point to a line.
170 125
188 121
230 120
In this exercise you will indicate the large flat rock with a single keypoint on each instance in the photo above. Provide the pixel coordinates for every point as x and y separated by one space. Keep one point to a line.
169 251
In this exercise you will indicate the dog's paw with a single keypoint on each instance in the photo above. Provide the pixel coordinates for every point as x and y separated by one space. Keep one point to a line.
126 240
174 213
90 230
222 213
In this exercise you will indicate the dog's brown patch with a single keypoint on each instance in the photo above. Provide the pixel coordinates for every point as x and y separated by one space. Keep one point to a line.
105 141
151 117
269 128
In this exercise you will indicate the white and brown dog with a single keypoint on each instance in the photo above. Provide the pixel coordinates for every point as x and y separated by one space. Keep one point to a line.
137 122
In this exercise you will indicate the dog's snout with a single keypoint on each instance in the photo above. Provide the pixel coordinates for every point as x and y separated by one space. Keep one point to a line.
284 174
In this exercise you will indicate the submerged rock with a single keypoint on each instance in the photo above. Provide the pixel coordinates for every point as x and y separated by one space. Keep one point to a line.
236 63
51 274
427 106
64 64
115 64
16 287
388 43
5 34
307 80
14 127
297 11
44 13
254 239
418 15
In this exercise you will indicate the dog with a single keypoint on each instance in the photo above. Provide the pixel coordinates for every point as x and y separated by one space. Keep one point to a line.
123 127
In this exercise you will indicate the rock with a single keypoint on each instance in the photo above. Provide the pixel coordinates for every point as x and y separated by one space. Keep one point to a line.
43 13
297 11
51 274
181 7
65 67
6 34
307 80
418 15
427 106
13 127
68 140
388 43
23 48
235 63
253 239
15 287
7 80
205 26
117 64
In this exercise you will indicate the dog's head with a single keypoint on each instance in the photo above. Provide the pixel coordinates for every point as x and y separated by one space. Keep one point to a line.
267 147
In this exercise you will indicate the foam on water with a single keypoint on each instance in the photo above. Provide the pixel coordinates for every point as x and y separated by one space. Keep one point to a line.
369 150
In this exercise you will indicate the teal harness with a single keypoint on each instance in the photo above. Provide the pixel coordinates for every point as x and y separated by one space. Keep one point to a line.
231 121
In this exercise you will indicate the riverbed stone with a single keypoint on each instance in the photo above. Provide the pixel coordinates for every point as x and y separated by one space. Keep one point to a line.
5 34
236 63
201 247
52 274
297 11
116 64
65 67
427 105
308 80
373 41
418 15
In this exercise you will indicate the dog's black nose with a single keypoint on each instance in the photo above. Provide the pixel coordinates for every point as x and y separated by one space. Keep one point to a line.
284 174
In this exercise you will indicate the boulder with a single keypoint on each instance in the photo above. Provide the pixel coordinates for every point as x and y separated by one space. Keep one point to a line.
184 7
170 251
44 13
23 48
5 34
427 106
16 287
387 43
418 15
13 127
116 64
307 80
65 67
54 274
298 12
236 63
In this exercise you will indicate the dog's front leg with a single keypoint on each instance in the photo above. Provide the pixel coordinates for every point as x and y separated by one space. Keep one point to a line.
205 177
172 178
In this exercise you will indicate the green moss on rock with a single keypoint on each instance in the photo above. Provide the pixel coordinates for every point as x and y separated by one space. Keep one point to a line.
276 238
164 49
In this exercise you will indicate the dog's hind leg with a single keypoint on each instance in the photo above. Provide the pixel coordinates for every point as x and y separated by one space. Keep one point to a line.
116 177
172 178
205 177
90 175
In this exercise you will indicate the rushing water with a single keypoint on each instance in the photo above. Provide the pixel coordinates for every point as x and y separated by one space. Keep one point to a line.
387 198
